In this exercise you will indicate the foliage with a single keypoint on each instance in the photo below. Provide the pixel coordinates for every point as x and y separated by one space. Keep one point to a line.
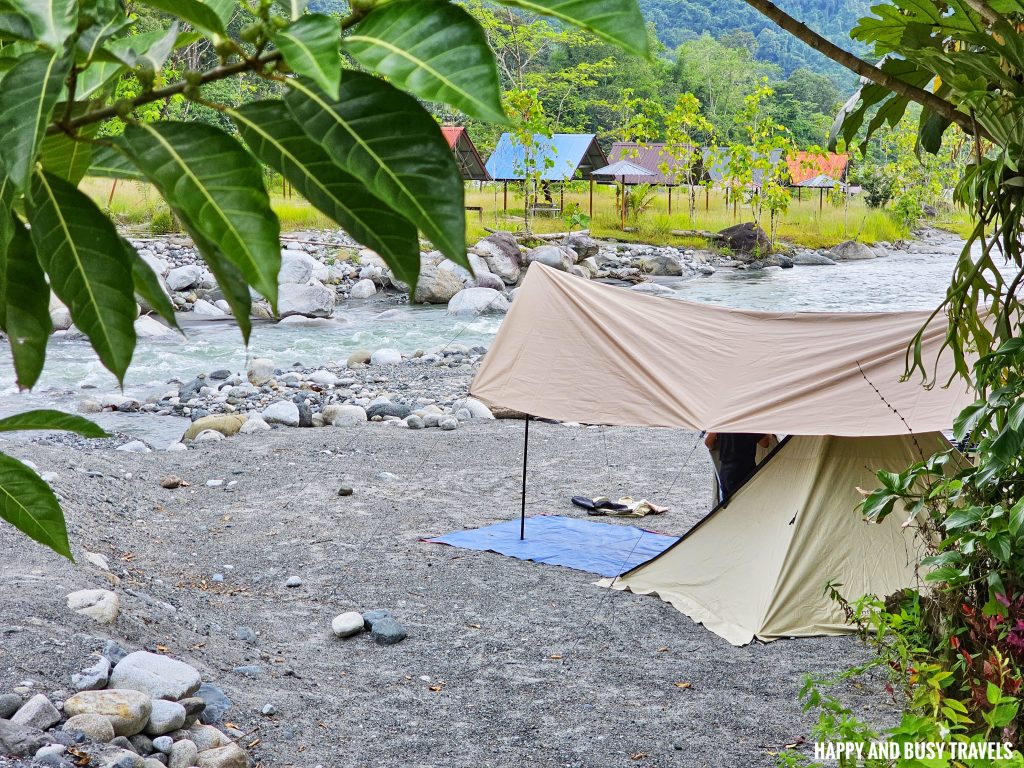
688 135
134 92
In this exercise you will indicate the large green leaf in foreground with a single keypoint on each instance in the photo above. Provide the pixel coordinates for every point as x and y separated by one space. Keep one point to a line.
28 95
89 271
25 297
276 139
27 503
388 141
47 419
310 48
434 50
617 21
216 188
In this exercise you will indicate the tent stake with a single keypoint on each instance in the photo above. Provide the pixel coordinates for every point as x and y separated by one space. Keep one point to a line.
526 448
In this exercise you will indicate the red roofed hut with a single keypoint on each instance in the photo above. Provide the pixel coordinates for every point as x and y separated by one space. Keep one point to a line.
470 163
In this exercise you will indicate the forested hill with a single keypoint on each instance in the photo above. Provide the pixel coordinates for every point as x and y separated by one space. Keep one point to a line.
677 21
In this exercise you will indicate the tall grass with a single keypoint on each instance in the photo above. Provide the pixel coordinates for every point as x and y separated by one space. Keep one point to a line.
138 207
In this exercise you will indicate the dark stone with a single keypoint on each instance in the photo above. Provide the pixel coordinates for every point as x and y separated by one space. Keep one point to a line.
129 406
785 262
123 743
745 239
190 390
217 704
507 245
305 412
388 409
9 704
584 245
52 761
67 738
246 635
387 631
193 705
221 374
113 652
930 211
369 617
198 413
19 740
345 490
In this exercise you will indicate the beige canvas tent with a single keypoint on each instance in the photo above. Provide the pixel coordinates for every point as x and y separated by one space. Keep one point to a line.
575 350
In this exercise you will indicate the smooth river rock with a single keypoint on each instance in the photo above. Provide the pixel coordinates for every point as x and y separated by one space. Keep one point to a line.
127 710
160 676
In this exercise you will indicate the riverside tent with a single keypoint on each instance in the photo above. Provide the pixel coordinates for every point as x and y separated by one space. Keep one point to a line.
574 350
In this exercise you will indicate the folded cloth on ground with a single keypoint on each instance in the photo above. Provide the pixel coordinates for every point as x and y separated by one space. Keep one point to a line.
640 508
598 505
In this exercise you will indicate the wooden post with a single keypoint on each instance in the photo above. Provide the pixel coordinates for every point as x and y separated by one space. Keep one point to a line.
707 199
591 198
113 188
504 204
670 200
561 197
821 200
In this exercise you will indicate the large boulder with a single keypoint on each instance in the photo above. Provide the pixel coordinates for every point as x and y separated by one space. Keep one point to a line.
436 285
851 250
554 256
500 252
128 710
182 278
745 239
584 245
456 269
339 415
282 412
812 259
296 267
487 280
147 327
660 264
364 289
312 299
159 676
227 424
20 740
477 301
386 356
100 605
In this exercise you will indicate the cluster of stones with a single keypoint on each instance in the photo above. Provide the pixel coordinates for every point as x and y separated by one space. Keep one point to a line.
129 710
384 628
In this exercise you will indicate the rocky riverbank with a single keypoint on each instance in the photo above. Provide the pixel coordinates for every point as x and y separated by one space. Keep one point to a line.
240 567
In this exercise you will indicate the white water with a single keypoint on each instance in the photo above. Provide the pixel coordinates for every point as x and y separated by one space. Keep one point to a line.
902 281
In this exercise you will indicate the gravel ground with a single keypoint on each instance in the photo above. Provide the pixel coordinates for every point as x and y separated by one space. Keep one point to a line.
507 662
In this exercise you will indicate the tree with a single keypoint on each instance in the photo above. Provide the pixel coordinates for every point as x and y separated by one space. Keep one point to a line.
687 134
958 649
358 144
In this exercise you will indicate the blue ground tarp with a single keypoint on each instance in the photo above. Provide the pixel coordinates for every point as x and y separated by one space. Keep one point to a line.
586 545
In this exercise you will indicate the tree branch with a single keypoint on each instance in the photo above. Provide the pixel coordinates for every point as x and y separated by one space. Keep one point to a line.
857 65
983 9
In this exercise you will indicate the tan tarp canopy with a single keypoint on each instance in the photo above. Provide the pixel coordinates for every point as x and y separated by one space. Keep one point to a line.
758 567
575 350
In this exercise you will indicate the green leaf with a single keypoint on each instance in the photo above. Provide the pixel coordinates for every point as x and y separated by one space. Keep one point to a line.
27 99
111 163
201 16
52 21
388 141
63 156
89 271
25 296
225 9
310 48
617 21
46 419
27 503
148 286
433 49
149 49
216 189
294 8
276 139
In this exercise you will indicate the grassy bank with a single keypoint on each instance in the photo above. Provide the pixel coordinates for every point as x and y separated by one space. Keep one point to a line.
140 209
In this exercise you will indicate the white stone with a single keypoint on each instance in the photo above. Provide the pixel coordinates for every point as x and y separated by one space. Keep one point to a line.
448 423
180 278
476 409
147 327
166 716
159 676
386 356
254 423
260 370
296 267
101 605
126 710
323 378
208 436
135 446
313 299
364 289
203 308
174 447
477 301
37 712
60 316
282 412
223 306
344 415
347 624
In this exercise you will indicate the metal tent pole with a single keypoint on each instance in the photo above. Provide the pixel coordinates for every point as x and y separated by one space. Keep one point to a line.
526 450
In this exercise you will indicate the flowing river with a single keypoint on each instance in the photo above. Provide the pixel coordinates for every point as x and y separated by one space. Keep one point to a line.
914 279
